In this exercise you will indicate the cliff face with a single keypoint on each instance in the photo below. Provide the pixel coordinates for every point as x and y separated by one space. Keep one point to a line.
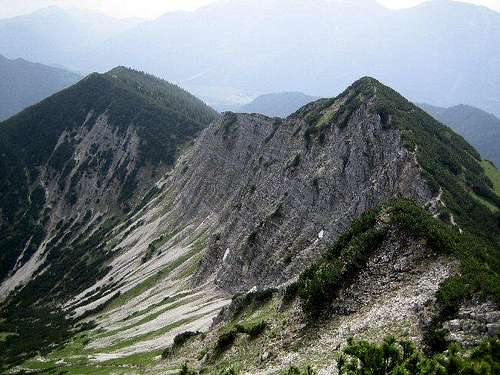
280 191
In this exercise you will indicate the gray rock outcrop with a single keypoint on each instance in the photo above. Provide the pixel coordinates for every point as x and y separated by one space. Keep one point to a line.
281 192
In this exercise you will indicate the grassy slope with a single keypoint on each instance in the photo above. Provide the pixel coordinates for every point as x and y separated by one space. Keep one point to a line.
287 335
493 173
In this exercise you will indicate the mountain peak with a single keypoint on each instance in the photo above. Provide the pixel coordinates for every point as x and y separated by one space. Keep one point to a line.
366 81
48 11
120 70
339 108
161 92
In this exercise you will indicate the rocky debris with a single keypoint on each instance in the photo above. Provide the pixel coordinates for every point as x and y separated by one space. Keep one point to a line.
401 261
474 321
87 190
391 295
84 159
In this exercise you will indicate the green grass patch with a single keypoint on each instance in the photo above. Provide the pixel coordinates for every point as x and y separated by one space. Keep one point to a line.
493 173
484 202
193 266
5 335
252 329
158 304
326 118
156 244
140 359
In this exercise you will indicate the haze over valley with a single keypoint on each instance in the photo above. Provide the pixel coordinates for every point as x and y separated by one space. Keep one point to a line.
299 187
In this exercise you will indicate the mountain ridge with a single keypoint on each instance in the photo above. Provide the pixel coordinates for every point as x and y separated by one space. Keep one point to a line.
253 202
278 104
480 128
229 64
53 35
25 83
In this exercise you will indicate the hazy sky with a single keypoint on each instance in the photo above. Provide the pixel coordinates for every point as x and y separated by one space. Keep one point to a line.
154 8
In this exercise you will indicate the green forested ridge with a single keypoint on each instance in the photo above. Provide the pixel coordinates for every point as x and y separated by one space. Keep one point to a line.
164 116
481 129
163 93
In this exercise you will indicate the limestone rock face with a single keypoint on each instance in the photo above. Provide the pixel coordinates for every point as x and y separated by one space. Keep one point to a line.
282 189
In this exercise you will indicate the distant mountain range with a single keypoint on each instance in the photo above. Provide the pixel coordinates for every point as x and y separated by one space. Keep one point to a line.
279 104
316 46
23 83
319 47
479 128
54 36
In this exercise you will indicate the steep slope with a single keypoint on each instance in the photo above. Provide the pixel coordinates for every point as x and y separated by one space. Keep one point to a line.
75 165
23 83
383 277
254 202
324 45
493 173
278 105
285 181
479 128
53 35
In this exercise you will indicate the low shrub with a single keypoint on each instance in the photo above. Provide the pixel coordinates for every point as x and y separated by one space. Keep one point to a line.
252 329
185 370
179 342
393 357
292 370
290 293
183 337
250 300
225 341
479 257
320 282
228 371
